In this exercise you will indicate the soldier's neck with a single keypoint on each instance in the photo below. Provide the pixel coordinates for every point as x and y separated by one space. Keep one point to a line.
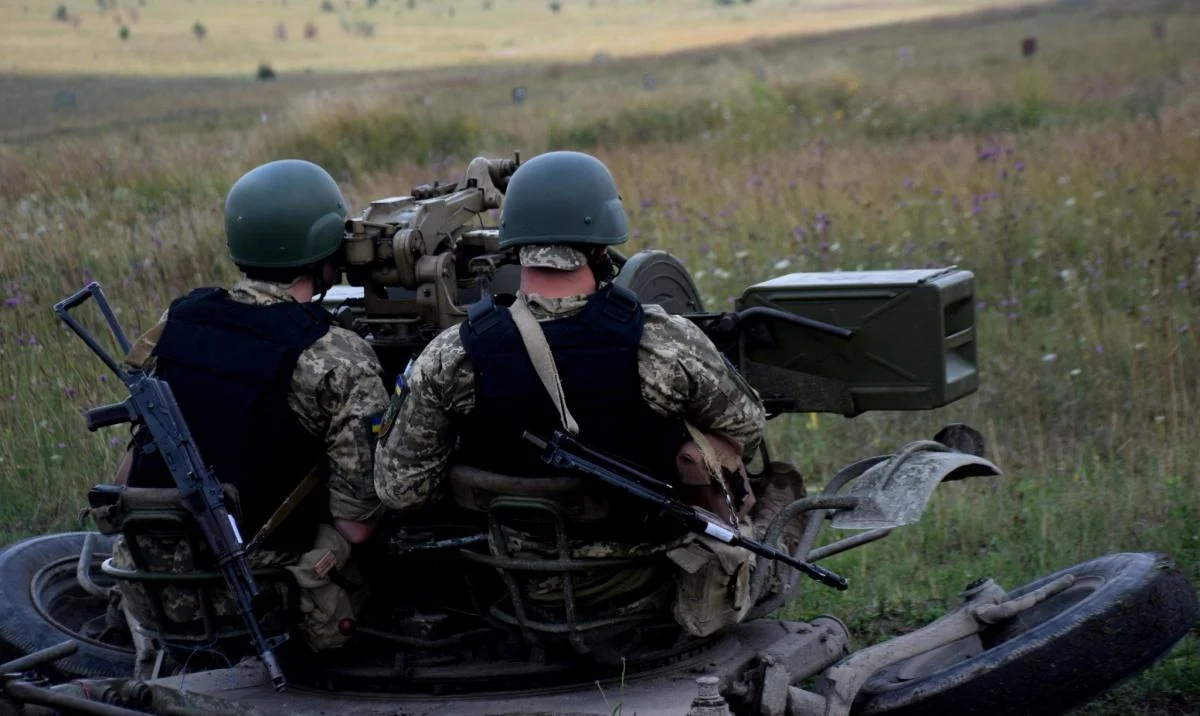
301 289
557 284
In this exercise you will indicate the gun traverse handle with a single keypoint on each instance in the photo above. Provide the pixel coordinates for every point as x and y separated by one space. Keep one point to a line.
107 415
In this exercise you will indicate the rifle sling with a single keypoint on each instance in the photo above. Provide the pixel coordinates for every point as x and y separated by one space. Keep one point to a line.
289 504
540 354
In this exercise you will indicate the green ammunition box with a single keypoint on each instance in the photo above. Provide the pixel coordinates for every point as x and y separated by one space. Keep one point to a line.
912 345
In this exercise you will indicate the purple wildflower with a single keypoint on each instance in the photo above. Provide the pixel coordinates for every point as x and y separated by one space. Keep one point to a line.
12 302
1184 328
799 232
69 392
980 305
62 446
114 441
987 154
1099 349
1019 167
937 192
822 223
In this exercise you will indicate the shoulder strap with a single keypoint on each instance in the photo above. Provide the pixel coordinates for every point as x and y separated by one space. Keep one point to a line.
543 361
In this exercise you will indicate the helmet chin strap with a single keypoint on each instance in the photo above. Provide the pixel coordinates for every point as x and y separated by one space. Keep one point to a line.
320 286
602 266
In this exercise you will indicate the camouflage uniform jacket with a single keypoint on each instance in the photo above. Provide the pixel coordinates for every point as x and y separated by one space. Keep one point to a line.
337 388
682 374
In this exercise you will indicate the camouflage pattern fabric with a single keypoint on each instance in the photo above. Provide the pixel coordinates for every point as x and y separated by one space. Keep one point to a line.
337 388
561 258
336 391
322 602
682 374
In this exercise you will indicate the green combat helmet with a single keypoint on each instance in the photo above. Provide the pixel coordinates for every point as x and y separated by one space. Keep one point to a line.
562 198
284 213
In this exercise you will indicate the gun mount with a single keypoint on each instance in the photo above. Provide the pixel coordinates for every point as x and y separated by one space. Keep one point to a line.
421 258
838 342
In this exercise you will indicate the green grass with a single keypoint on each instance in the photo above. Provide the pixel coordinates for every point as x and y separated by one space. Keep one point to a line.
1067 183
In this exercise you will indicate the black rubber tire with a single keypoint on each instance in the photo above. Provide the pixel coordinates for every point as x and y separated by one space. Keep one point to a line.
25 627
1123 612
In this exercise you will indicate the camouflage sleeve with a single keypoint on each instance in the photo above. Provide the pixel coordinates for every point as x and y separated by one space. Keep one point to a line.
414 448
338 385
684 374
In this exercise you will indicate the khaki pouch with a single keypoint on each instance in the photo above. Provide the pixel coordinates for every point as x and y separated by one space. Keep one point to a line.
323 603
712 584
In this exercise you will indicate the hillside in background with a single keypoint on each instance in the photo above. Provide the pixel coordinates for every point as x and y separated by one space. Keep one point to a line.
231 37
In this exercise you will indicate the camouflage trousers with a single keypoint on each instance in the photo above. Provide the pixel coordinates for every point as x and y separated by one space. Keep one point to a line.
322 603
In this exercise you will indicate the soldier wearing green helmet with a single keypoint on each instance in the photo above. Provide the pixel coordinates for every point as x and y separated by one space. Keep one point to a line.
574 351
277 397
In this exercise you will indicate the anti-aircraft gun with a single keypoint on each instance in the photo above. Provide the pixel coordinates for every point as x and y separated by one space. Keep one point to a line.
839 342
421 259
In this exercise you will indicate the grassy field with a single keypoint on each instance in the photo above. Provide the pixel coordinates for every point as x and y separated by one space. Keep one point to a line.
1068 182
358 35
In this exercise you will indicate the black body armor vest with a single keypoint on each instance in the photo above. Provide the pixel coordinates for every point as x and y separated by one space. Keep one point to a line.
230 367
596 353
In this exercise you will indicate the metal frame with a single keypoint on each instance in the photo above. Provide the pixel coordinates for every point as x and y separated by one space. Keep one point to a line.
150 523
564 565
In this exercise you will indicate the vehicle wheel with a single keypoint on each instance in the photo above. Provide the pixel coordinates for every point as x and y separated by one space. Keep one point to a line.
1121 614
42 604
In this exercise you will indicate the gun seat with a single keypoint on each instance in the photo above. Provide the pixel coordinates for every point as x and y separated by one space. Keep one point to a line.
474 489
168 576
565 578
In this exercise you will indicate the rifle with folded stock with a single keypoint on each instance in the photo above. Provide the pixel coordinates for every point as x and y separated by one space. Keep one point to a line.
564 451
152 405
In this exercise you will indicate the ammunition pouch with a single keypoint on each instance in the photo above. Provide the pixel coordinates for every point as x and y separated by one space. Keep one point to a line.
713 581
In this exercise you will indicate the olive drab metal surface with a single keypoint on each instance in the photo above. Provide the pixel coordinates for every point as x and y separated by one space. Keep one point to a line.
913 342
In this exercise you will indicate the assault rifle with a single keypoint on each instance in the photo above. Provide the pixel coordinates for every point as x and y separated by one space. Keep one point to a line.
152 405
564 451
